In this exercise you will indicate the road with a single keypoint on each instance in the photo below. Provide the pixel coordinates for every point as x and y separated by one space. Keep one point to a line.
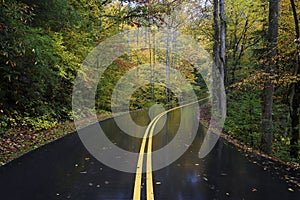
64 169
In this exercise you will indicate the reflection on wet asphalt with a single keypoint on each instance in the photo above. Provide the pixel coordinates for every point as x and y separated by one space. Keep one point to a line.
65 170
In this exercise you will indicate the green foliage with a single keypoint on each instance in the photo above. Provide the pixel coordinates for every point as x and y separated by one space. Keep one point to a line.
42 46
43 43
243 122
106 86
148 95
244 117
245 25
39 123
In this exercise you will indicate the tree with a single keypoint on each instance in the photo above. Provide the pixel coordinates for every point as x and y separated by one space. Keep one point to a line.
216 27
295 92
244 21
219 49
219 38
222 41
268 91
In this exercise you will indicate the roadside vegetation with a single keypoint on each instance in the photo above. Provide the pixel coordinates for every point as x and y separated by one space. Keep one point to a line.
255 45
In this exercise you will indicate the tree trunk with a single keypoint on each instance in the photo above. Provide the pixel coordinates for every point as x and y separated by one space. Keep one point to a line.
268 91
295 94
167 62
216 53
222 41
295 18
219 49
216 57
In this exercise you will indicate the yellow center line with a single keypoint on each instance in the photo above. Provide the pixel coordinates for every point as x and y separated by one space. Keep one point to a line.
139 171
149 178
138 175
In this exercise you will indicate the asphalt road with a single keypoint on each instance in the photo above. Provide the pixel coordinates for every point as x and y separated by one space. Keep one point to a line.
64 169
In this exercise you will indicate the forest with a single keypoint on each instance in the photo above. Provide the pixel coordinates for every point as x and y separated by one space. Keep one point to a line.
254 44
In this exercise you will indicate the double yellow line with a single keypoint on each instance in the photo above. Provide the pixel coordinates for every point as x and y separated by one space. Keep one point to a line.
139 170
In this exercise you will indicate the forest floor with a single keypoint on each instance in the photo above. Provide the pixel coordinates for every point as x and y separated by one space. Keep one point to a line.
18 141
289 172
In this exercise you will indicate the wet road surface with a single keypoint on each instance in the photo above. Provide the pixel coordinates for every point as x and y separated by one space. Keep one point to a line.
64 169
